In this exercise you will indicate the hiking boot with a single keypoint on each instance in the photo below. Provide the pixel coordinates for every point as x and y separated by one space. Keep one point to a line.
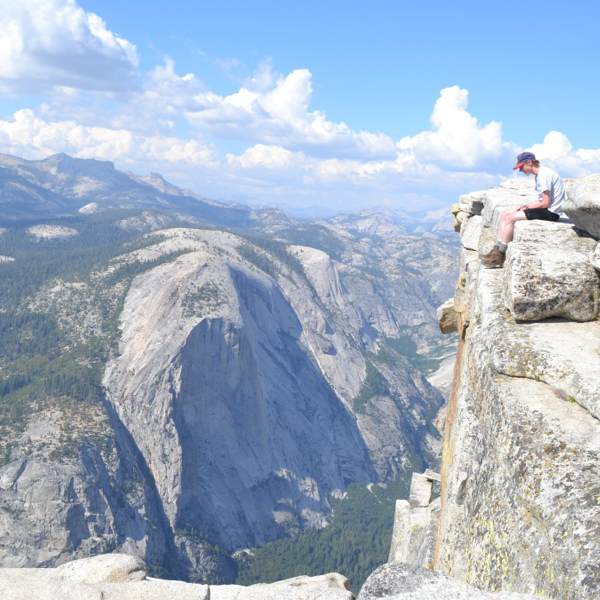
495 261
493 252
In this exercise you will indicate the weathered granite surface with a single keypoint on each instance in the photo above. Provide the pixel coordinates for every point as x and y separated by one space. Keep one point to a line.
122 577
410 582
416 523
548 273
513 192
582 204
521 463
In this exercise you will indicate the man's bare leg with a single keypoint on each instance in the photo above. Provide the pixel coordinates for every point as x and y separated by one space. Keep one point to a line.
497 256
507 226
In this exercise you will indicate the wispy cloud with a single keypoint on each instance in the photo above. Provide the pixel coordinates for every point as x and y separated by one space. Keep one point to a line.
274 109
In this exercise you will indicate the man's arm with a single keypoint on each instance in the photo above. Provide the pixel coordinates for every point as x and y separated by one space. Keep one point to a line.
545 202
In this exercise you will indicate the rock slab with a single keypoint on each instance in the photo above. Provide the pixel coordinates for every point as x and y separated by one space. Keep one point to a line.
123 577
409 582
582 203
548 273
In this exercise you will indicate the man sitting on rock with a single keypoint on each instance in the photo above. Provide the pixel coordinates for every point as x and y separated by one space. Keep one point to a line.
548 206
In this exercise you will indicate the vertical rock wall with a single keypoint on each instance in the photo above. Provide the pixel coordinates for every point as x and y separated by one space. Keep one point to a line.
521 462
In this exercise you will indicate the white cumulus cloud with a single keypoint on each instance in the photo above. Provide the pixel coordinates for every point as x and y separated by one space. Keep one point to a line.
270 157
32 137
554 146
457 139
49 43
274 110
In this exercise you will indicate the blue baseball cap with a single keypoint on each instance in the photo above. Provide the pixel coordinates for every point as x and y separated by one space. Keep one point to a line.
523 158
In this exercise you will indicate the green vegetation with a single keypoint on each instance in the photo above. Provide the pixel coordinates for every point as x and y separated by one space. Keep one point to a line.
45 362
38 262
276 248
407 347
355 543
209 296
316 236
258 259
375 385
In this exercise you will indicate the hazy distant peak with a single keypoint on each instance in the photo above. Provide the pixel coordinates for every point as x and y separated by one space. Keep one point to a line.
61 185
370 223
157 181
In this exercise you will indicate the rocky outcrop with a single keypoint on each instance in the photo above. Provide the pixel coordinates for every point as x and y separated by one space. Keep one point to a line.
521 467
581 203
397 581
549 274
225 347
416 523
122 577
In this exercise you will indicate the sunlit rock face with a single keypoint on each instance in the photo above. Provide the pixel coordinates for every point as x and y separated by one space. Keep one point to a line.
521 467
238 392
225 389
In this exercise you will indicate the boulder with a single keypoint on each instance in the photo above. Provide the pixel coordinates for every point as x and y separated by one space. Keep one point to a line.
470 232
331 586
420 491
472 203
459 219
446 315
397 581
513 192
105 568
582 204
548 273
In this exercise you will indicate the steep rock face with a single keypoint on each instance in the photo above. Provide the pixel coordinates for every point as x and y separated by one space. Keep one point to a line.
520 466
229 382
53 507
237 403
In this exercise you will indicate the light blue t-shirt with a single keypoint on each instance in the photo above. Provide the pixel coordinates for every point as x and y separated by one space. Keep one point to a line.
548 180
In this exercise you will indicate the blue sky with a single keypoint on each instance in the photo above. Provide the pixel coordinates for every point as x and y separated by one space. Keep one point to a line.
337 104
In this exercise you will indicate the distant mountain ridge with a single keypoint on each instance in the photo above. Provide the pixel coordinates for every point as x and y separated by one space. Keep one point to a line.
61 186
